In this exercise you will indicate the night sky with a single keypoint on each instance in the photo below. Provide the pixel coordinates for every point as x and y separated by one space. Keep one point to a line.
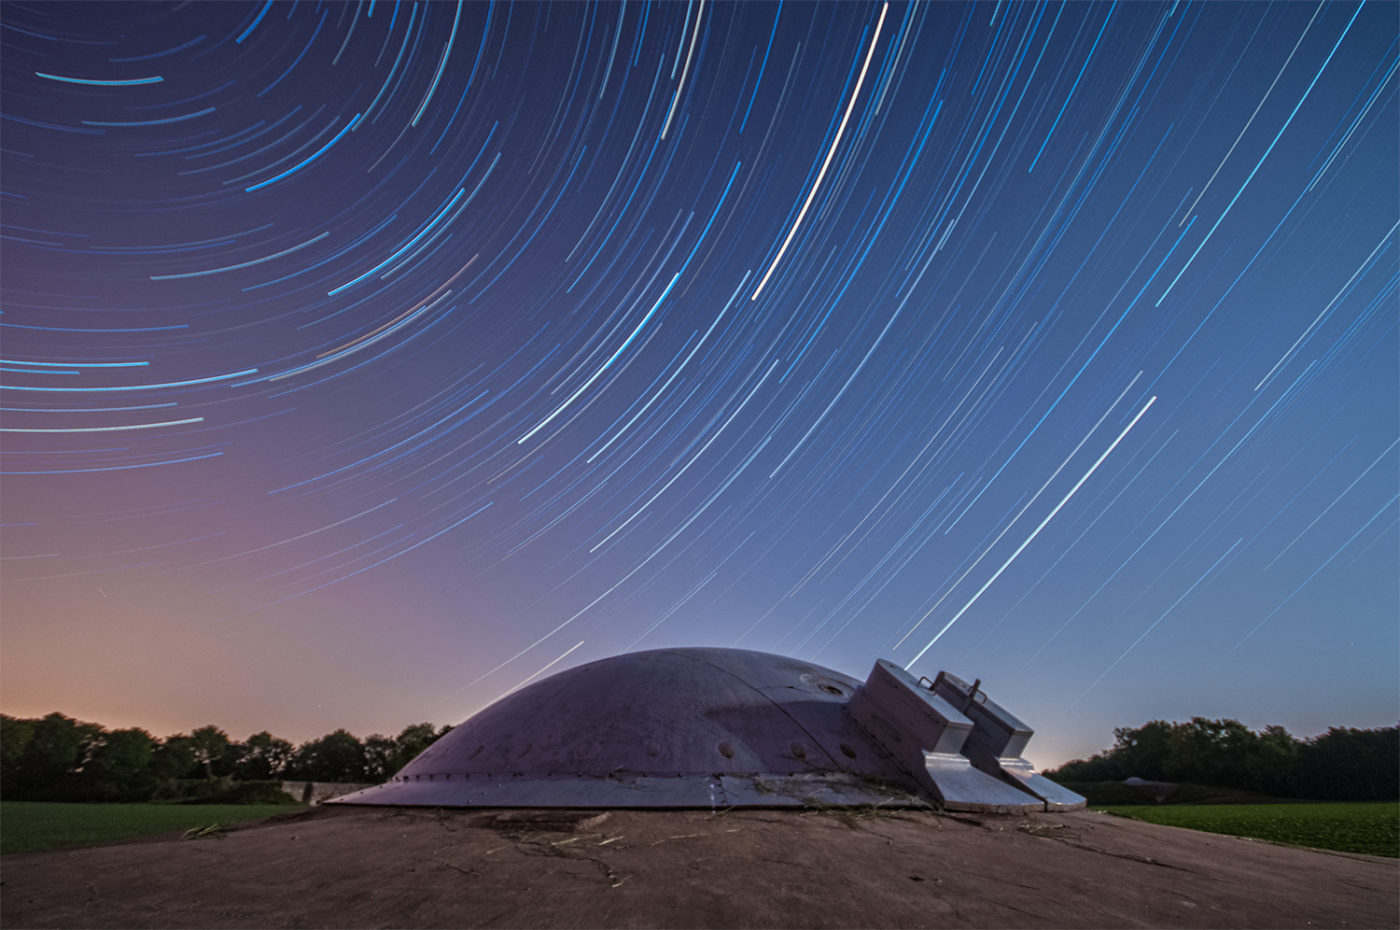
365 360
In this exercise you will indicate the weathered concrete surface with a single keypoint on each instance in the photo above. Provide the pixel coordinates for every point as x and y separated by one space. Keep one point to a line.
388 867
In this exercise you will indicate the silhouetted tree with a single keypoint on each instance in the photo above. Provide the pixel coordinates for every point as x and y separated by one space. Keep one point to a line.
1143 752
1273 768
56 752
212 751
1346 764
336 756
59 758
119 768
1342 764
381 756
412 740
15 734
261 757
386 755
1210 752
174 758
1102 766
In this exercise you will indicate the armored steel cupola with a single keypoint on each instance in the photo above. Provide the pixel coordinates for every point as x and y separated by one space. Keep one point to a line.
710 727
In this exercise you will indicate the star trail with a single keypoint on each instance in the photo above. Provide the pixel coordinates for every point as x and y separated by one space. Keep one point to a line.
363 361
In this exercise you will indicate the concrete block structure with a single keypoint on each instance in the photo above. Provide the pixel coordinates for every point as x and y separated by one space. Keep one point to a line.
710 728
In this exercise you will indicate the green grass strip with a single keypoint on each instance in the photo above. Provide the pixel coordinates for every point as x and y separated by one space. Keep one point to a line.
1370 827
32 826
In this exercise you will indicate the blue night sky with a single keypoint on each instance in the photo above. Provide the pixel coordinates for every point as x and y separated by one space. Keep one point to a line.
365 360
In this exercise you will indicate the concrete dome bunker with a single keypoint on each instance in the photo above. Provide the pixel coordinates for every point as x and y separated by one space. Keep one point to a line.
713 727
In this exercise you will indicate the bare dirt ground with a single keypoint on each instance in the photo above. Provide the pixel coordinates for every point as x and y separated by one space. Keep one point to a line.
387 867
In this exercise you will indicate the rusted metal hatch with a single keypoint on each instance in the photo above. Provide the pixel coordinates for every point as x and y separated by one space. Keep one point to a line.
708 727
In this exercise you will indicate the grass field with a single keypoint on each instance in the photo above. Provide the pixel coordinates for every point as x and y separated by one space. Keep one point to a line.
1372 827
31 826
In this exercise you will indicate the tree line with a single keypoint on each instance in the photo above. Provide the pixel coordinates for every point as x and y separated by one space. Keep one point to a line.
57 758
1343 764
